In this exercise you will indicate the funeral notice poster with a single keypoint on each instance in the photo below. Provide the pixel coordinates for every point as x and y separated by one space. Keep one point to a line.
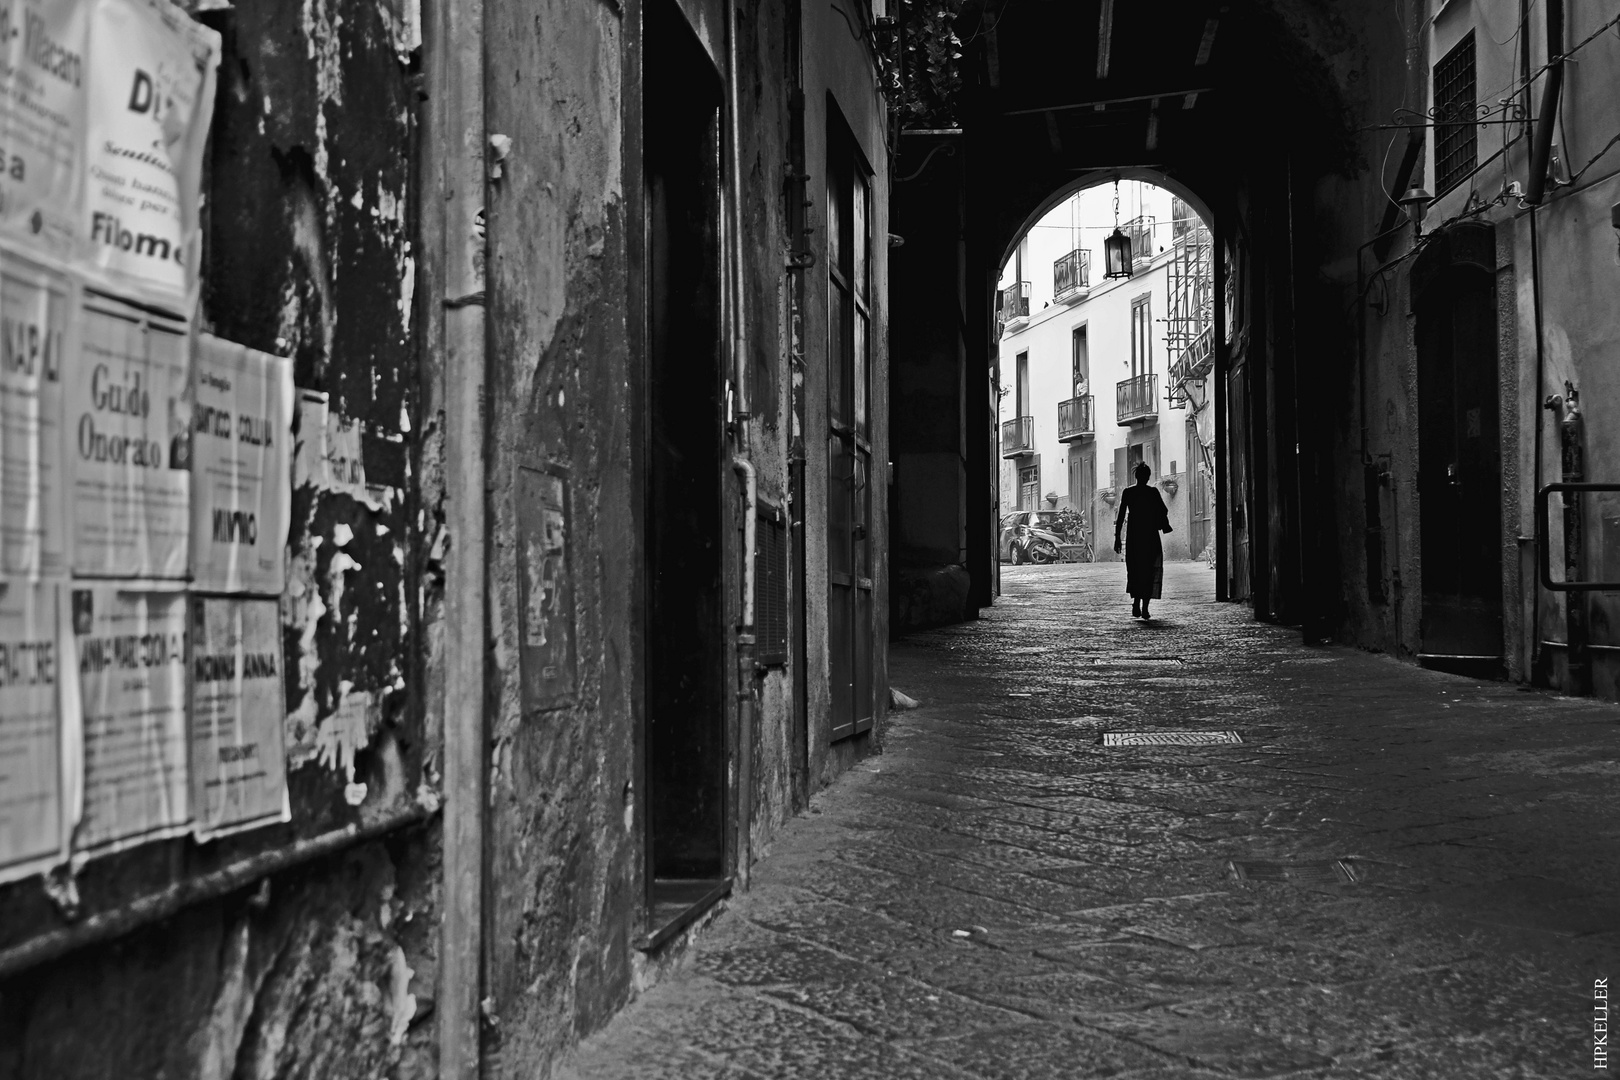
44 87
128 443
34 311
149 100
241 467
238 760
30 741
131 656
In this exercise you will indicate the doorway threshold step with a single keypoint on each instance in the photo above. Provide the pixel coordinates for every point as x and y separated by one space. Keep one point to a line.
676 904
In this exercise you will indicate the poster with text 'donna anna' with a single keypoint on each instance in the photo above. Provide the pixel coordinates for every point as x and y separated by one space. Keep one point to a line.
241 469
127 443
30 741
130 651
238 759
35 305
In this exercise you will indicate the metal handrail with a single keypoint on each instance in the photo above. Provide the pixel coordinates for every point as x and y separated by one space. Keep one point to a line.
1543 533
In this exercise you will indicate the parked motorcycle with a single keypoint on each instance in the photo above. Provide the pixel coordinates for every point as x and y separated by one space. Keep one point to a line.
1030 545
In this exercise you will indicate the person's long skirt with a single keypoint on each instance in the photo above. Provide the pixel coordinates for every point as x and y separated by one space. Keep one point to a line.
1144 566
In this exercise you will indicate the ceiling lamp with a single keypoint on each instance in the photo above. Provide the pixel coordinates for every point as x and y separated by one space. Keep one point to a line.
1117 248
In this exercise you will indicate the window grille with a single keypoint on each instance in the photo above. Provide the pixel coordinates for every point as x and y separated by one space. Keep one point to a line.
1456 133
771 588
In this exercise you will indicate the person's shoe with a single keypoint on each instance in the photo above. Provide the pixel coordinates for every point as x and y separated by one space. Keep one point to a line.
1136 609
1145 614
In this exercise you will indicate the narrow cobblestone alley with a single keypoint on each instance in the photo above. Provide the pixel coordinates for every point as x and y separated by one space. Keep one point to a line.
998 895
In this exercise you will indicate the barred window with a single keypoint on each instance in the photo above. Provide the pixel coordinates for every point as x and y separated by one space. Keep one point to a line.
771 584
1456 133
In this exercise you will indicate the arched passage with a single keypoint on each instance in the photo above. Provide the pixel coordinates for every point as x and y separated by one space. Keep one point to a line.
1240 110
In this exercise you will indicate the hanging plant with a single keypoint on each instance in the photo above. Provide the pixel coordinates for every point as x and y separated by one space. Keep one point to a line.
933 55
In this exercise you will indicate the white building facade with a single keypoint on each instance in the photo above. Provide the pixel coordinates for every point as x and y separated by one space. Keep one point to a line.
1098 374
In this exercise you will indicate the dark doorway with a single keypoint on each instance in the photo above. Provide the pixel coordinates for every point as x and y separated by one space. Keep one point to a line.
1459 452
685 746
849 433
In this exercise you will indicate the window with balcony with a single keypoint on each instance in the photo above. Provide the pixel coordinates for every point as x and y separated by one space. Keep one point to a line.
1142 335
1080 361
1071 275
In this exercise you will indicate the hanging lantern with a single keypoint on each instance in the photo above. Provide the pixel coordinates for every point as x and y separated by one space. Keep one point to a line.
1117 252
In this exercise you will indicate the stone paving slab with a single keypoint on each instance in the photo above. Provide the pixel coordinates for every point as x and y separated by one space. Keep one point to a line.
998 896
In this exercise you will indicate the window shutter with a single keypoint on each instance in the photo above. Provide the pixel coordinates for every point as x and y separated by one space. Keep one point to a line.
1122 476
771 587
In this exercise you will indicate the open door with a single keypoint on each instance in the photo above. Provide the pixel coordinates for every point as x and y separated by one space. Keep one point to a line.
1459 451
685 644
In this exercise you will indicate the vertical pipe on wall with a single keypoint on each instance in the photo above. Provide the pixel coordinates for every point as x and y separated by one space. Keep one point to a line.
1223 590
737 309
454 43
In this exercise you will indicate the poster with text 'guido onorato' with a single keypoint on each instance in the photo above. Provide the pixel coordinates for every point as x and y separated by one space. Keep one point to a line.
130 650
128 443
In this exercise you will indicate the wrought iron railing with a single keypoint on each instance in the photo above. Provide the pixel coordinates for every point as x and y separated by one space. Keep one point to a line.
1071 274
1137 398
1074 418
1015 301
1140 231
1018 437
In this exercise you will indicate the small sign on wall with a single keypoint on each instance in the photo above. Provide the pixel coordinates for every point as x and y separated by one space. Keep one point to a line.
546 588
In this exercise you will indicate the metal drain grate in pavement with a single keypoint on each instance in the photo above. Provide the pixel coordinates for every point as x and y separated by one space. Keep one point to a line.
1135 661
1324 872
1170 738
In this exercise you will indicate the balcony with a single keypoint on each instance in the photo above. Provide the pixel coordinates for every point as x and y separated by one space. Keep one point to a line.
1074 419
1140 231
1018 437
1015 306
1137 400
1071 277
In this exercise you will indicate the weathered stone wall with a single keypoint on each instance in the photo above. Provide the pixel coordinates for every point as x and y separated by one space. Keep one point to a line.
326 969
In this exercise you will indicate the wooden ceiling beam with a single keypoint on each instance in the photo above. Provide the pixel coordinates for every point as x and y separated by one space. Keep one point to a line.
1105 38
1101 103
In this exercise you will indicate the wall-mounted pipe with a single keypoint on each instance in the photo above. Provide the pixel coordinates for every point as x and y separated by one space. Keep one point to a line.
454 193
1541 154
738 311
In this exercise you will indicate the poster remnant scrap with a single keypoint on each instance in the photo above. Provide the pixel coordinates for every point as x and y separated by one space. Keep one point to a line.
131 656
547 600
129 443
30 746
241 468
44 76
34 309
329 456
238 763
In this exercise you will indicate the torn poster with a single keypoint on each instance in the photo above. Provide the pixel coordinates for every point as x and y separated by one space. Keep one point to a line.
34 312
30 741
238 762
240 469
328 455
43 92
128 446
130 649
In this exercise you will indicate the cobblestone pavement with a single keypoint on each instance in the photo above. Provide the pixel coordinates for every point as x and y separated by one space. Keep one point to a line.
999 896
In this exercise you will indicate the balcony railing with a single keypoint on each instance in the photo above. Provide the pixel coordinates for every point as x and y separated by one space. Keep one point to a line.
1140 231
1074 419
1018 437
1015 302
1071 276
1137 399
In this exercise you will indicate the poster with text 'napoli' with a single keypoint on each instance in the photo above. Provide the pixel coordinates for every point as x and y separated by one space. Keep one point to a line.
150 101
128 443
44 88
238 759
130 651
241 467
30 742
34 325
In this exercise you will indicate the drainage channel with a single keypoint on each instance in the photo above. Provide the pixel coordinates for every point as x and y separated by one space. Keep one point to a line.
1318 872
1170 738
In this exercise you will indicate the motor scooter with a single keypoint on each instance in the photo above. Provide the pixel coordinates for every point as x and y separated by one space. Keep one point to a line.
1031 545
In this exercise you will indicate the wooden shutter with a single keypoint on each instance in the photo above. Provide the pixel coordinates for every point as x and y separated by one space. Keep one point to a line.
771 587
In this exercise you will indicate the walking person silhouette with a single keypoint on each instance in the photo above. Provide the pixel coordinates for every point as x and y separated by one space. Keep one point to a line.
1144 554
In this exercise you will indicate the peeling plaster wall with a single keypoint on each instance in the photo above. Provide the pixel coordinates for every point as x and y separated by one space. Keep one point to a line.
326 969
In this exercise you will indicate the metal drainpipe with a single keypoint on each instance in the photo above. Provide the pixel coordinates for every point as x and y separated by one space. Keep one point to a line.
742 464
1545 123
454 33
1538 673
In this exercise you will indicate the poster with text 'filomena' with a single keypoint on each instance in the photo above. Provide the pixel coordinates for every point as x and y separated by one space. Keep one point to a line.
241 470
130 651
30 741
128 443
35 305
104 111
